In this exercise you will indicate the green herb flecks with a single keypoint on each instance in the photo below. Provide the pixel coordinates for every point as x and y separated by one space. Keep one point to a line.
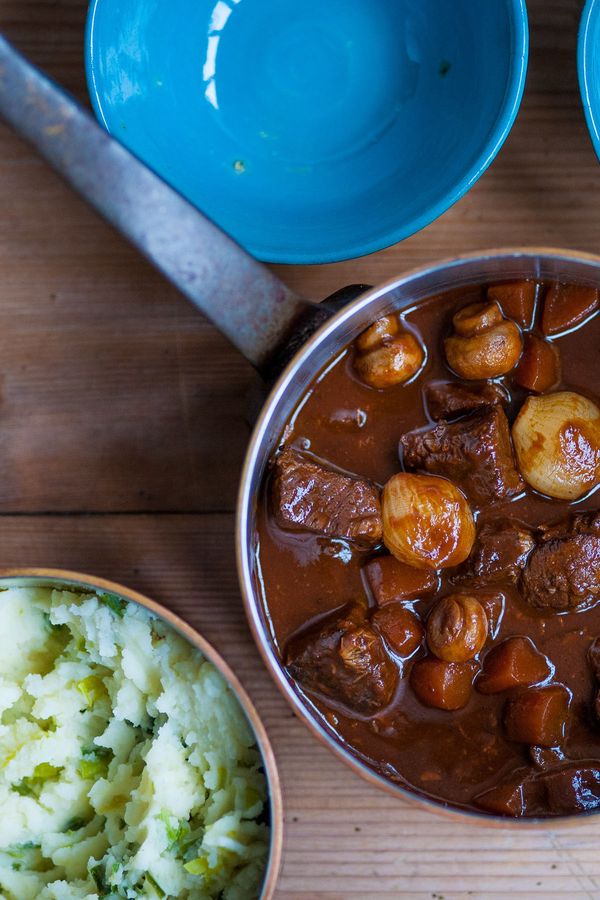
154 885
176 829
50 625
94 762
74 824
116 604
32 785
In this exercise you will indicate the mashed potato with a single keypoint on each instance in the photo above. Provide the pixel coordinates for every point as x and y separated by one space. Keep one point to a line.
127 766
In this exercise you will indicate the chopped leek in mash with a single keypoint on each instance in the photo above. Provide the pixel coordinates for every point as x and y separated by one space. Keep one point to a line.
127 766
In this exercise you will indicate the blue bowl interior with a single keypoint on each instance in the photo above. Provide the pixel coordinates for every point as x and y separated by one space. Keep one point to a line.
316 130
588 64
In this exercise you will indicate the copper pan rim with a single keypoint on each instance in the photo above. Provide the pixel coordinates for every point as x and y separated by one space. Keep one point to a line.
395 294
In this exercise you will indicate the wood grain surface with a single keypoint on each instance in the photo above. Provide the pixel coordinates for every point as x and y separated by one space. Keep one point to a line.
123 427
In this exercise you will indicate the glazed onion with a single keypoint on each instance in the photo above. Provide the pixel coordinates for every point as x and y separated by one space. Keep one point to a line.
427 522
557 444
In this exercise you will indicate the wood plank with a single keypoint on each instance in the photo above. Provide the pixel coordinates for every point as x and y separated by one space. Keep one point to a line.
116 396
344 838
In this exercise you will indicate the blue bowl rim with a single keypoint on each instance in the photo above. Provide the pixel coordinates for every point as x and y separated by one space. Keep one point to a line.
583 51
501 129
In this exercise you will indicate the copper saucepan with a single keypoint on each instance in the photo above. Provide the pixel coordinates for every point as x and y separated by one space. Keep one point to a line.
398 294
273 327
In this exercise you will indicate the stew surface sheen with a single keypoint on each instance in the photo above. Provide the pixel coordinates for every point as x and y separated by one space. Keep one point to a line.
462 757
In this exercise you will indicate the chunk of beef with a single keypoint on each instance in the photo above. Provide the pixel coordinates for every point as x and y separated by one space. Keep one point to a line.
574 788
508 798
449 399
588 523
564 573
500 552
309 496
475 453
581 523
345 661
545 758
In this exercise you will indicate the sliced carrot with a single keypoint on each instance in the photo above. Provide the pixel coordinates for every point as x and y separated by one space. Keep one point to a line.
390 579
517 299
567 305
539 367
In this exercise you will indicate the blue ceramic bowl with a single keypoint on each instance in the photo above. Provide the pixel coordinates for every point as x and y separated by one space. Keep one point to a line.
311 130
588 66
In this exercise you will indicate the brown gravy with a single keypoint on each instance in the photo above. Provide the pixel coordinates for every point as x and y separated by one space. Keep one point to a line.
449 756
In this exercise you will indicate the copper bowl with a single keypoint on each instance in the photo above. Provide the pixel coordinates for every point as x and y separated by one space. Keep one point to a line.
63 579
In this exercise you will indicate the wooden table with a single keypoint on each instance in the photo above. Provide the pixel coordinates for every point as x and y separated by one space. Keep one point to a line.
122 431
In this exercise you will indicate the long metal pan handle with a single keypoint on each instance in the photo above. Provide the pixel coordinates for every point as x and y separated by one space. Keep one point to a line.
255 310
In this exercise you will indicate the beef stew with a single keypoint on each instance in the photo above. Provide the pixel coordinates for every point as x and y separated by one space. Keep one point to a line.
434 594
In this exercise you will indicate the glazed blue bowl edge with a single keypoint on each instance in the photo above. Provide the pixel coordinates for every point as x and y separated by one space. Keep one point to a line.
291 252
589 72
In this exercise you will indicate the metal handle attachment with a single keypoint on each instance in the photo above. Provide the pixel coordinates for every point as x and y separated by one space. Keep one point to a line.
245 301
